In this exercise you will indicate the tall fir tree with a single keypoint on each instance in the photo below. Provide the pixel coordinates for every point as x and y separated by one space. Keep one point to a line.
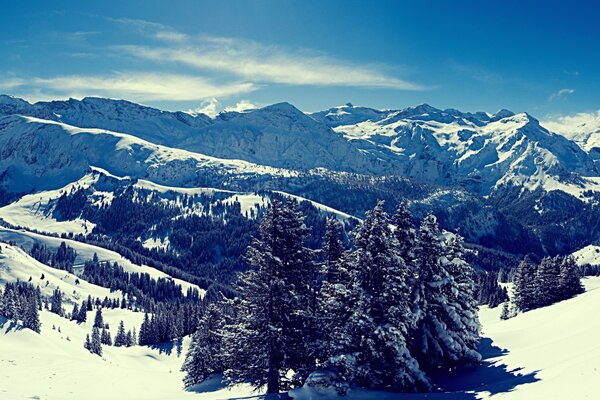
271 333
441 340
205 355
524 289
96 342
121 337
547 282
98 320
569 280
31 317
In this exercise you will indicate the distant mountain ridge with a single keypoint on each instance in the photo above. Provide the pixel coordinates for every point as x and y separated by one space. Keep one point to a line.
485 174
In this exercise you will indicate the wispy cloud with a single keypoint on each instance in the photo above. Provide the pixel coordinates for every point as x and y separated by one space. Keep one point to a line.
151 29
561 93
129 85
262 63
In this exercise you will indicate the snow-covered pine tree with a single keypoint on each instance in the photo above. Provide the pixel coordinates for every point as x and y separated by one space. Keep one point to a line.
269 336
569 280
31 317
441 339
105 337
205 354
333 249
145 332
524 289
546 282
98 320
82 315
96 342
56 302
462 320
121 337
75 312
88 343
405 231
384 359
505 311
366 313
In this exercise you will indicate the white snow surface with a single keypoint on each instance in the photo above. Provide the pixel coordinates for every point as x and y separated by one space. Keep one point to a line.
86 252
549 353
587 255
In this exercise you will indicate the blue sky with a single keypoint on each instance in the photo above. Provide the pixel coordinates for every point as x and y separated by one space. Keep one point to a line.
540 57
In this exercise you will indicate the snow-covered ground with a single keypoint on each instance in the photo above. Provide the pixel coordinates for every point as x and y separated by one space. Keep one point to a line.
587 255
86 252
549 353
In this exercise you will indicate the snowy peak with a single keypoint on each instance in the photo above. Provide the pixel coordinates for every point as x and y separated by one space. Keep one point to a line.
347 114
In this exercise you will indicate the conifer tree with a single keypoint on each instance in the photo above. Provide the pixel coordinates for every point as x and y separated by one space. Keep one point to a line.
56 302
98 320
444 337
205 355
270 334
96 342
105 337
121 337
31 317
569 280
547 282
524 292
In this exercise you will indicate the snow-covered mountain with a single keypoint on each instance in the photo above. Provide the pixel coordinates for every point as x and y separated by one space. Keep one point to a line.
481 173
479 151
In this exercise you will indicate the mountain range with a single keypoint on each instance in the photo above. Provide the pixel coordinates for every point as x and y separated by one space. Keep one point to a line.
503 180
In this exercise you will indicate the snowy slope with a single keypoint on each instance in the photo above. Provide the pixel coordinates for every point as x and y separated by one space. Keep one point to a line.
44 154
588 255
86 252
558 344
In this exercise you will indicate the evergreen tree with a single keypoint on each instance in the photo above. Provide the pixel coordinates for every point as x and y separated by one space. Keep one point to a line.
205 355
505 311
384 359
444 337
333 249
98 320
88 343
82 315
121 337
270 335
105 337
96 342
569 280
31 317
75 312
524 292
547 282
405 231
56 302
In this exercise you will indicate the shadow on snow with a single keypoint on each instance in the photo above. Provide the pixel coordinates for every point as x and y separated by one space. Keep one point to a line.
489 376
462 384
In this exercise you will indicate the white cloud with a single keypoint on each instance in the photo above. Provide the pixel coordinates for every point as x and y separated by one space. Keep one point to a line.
262 63
561 93
241 106
135 86
209 107
11 83
574 124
